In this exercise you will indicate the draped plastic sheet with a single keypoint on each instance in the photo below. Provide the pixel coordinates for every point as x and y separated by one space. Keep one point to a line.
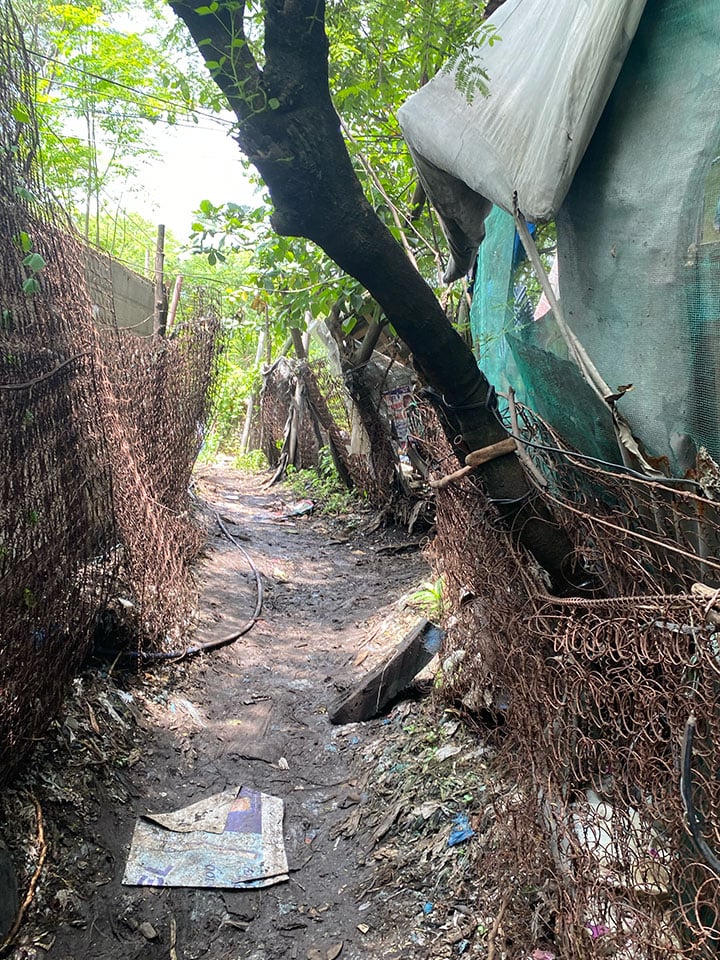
548 80
639 250
530 354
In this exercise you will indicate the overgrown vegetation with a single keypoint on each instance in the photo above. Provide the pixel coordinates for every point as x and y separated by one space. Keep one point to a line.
324 487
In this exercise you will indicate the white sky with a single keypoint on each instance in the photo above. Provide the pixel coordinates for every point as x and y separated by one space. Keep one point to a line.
198 162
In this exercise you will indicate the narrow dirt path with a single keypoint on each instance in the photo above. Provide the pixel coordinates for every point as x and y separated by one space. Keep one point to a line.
252 714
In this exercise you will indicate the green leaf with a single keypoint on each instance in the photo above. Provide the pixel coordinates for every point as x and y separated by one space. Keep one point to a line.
21 113
273 103
24 242
30 286
34 262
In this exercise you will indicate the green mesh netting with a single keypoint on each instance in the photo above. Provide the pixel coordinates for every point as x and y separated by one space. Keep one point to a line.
639 247
531 356
639 252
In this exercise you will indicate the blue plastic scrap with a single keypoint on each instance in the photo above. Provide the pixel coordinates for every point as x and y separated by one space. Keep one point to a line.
462 832
433 638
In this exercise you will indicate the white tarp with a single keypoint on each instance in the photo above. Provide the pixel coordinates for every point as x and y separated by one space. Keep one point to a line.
549 76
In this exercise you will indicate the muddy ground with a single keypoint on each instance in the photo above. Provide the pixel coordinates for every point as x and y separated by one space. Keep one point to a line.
369 808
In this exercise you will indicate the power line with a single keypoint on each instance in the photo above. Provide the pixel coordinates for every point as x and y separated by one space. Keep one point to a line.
124 86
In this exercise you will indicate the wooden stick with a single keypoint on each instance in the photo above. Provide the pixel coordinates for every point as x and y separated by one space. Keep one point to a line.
522 453
172 309
495 929
451 478
161 304
476 459
173 939
42 853
495 450
577 351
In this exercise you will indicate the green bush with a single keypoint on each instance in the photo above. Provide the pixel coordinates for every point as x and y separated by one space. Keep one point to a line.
323 485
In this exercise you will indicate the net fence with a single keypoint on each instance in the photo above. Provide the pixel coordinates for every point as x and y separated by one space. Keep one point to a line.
607 705
322 408
99 430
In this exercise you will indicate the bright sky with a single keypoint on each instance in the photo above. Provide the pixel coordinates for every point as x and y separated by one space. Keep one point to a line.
198 162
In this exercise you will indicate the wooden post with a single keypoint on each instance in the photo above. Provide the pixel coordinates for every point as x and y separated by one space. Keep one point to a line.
161 304
174 301
251 400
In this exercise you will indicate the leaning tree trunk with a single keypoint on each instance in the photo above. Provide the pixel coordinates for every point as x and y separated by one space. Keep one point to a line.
288 128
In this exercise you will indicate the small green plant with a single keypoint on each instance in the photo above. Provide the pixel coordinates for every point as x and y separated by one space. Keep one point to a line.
430 598
33 262
323 485
254 461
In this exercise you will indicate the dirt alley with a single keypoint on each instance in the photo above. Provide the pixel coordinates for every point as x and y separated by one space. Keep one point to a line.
253 713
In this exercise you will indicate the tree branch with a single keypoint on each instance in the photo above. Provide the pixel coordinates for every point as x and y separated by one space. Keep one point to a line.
220 38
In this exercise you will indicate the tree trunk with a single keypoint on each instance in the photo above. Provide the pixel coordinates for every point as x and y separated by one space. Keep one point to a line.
288 128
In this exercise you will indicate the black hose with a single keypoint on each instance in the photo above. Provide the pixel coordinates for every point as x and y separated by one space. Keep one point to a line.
142 656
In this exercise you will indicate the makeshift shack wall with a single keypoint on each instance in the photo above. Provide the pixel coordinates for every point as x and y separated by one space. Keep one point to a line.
639 257
531 355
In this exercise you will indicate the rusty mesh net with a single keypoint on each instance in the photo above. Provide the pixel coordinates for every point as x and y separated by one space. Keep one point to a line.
608 707
99 430
320 404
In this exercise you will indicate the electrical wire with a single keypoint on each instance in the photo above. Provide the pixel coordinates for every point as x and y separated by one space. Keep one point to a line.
141 656
615 467
177 104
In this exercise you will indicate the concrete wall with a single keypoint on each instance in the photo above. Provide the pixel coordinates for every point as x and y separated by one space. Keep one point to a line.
119 295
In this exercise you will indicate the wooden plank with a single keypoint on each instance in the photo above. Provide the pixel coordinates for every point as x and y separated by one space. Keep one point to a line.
495 450
450 478
371 694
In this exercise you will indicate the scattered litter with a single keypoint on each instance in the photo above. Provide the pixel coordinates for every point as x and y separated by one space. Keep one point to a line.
363 928
299 508
628 851
148 931
427 908
190 709
427 809
232 839
542 955
462 832
325 953
283 764
450 728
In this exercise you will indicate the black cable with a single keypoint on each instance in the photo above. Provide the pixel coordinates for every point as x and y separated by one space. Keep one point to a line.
142 656
603 463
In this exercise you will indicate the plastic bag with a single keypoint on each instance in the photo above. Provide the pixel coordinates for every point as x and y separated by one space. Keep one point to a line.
549 76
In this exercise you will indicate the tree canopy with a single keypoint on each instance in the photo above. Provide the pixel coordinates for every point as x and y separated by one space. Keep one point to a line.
273 66
314 92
